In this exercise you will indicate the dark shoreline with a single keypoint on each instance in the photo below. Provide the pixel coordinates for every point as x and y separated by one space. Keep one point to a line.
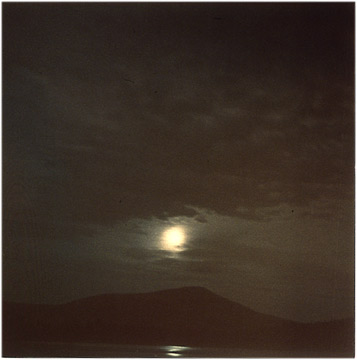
193 317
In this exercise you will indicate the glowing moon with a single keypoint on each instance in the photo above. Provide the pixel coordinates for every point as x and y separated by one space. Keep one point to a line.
173 239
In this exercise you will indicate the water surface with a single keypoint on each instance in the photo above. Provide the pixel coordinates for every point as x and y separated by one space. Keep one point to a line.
56 349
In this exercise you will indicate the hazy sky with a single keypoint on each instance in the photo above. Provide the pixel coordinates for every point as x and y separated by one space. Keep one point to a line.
231 122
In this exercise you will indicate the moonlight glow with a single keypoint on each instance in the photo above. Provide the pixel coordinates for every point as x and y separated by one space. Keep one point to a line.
173 239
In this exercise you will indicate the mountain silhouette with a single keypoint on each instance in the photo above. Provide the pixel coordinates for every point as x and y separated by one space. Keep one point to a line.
190 316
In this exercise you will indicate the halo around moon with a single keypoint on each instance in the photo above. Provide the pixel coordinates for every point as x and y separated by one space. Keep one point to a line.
173 239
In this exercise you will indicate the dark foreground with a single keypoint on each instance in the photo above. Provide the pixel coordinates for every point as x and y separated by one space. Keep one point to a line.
31 349
198 322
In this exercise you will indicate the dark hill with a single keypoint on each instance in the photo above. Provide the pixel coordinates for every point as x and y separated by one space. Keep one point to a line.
190 316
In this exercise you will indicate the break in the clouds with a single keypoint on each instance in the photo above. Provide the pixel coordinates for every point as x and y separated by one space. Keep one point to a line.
236 118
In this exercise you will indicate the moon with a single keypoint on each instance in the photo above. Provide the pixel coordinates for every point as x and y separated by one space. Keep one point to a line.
173 239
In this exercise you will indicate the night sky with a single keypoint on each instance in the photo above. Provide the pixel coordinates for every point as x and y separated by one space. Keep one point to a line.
149 146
